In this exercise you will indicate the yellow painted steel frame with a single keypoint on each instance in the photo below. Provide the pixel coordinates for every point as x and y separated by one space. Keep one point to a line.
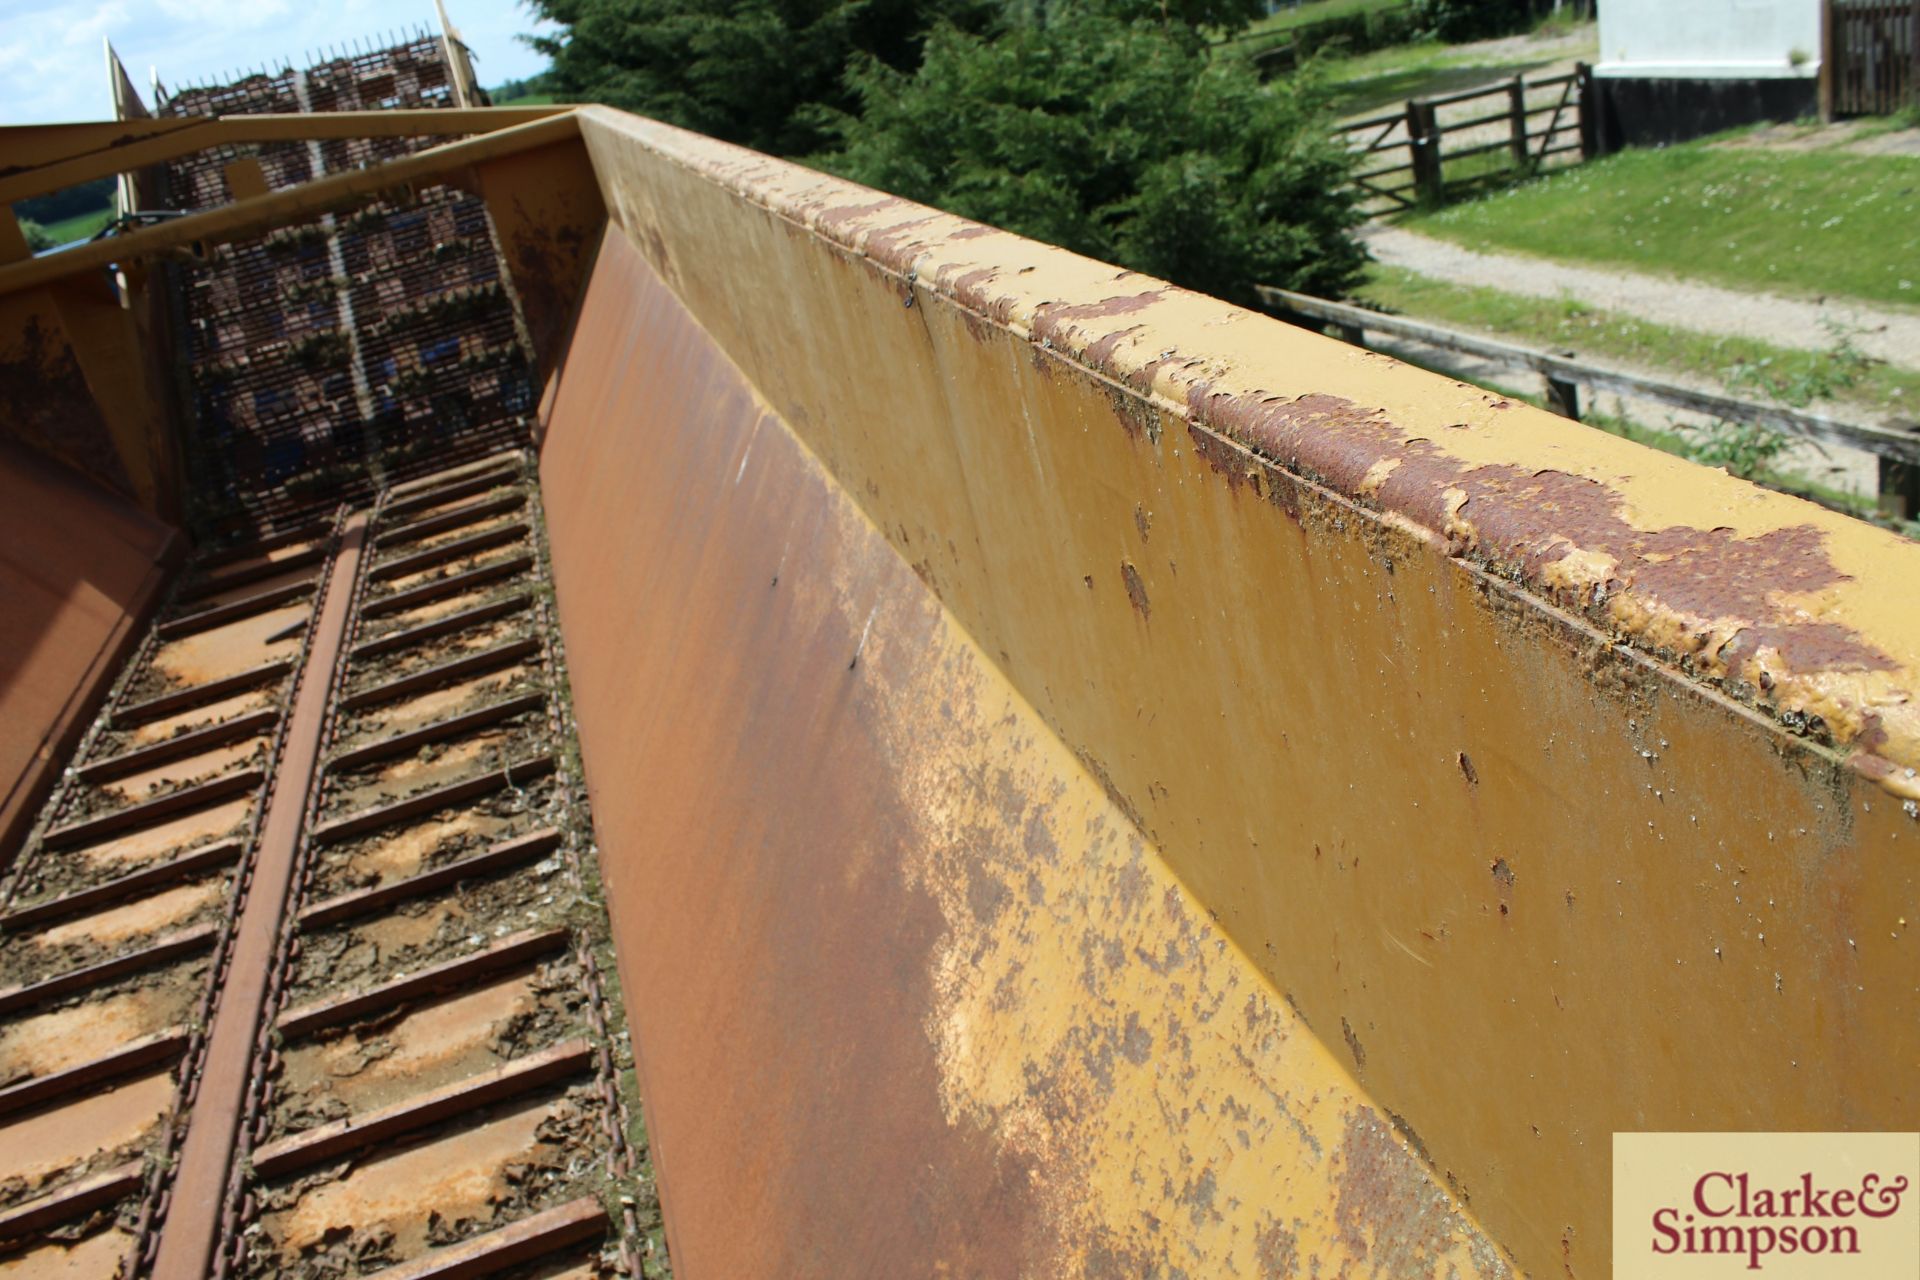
1561 787
42 158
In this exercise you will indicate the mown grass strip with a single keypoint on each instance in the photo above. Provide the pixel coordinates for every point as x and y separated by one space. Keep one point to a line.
1820 222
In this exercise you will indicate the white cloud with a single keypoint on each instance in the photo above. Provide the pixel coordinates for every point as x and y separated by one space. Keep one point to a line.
88 30
230 14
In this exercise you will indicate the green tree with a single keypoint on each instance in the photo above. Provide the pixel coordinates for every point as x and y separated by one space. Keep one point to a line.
763 73
38 237
1118 139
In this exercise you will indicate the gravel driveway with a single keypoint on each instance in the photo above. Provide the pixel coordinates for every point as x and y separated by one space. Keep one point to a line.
1883 333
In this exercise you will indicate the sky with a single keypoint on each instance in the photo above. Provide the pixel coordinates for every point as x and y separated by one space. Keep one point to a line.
52 67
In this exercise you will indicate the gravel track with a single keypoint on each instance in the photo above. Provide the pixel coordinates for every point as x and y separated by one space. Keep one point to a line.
1883 333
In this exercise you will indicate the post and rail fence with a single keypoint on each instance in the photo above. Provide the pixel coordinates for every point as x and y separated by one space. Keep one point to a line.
1896 446
1440 146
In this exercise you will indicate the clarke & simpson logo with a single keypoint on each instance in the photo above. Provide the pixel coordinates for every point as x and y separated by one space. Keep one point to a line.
1727 1216
1779 1205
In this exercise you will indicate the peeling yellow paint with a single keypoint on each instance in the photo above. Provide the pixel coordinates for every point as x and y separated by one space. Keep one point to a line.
1092 1017
1175 345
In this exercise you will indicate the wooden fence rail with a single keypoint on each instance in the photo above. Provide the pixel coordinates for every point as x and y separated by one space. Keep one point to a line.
1897 447
1414 141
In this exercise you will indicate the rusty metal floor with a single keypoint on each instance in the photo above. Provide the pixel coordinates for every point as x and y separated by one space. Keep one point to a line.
304 968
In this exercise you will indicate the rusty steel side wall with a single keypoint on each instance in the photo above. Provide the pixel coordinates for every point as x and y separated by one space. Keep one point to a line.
79 569
910 994
1386 668
76 386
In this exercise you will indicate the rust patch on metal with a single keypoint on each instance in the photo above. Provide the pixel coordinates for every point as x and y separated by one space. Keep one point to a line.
1100 354
838 217
1054 321
893 242
846 961
1136 589
1399 1224
981 303
79 571
1737 593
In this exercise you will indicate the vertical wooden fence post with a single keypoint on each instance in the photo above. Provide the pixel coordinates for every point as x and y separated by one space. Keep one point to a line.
1423 141
1517 123
1826 61
1563 397
1899 489
1586 106
1913 56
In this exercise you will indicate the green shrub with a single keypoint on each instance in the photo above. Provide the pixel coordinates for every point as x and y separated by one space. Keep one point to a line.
1120 140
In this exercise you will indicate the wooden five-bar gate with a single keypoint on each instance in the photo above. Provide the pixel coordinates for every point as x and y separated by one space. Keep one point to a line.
1438 146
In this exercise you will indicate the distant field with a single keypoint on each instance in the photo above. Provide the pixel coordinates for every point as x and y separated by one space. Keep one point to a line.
1813 222
526 100
1318 11
81 226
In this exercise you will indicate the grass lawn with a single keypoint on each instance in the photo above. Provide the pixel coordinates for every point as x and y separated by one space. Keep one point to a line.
1750 368
1754 370
1385 91
1386 78
526 100
1814 222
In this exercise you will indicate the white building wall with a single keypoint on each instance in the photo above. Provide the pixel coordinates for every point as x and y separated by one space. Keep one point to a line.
1709 38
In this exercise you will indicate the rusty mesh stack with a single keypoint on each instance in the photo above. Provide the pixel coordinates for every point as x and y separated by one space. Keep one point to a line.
338 355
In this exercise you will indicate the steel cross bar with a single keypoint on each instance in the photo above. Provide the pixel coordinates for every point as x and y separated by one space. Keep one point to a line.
291 204
74 154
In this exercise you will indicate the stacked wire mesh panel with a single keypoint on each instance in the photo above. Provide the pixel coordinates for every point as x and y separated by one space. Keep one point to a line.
333 357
